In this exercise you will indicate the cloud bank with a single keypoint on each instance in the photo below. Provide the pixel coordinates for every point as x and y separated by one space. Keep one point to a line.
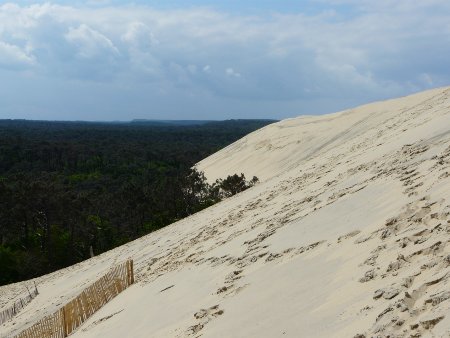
121 61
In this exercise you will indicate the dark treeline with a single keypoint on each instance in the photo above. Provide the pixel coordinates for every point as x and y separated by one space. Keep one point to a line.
67 187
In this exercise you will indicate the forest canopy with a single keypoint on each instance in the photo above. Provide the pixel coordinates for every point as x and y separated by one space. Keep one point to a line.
67 188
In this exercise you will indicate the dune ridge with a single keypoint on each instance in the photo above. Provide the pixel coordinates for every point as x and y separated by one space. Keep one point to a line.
346 235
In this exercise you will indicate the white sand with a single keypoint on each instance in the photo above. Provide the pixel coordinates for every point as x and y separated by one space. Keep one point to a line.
365 192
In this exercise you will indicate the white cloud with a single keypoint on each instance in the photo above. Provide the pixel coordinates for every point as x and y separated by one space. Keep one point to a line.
427 79
192 69
14 56
140 42
90 43
139 35
232 72
365 51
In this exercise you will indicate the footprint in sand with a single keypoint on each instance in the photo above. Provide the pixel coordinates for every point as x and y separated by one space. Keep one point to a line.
204 316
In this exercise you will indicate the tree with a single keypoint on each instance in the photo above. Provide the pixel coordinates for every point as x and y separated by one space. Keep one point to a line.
234 184
67 186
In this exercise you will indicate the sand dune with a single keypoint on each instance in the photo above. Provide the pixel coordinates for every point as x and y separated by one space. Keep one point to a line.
346 235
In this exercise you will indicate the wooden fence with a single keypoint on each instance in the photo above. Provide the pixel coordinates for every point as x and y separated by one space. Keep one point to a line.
72 315
18 305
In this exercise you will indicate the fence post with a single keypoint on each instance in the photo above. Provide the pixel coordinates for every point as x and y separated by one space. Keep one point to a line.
64 321
130 272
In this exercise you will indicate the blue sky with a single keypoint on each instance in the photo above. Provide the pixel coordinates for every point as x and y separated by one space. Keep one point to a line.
231 6
119 60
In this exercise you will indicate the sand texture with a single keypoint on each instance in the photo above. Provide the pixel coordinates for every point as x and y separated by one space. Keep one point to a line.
346 235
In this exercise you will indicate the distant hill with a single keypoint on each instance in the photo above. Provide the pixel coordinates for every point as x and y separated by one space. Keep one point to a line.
170 122
140 121
197 122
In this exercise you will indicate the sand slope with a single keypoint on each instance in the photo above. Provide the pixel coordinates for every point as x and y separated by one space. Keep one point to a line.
347 234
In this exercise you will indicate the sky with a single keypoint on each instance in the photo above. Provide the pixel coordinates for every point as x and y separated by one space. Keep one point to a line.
100 60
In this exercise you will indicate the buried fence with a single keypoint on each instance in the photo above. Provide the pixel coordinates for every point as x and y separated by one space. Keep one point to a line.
18 305
65 320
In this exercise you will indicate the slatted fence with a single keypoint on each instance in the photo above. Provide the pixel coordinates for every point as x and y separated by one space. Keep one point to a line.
72 315
18 305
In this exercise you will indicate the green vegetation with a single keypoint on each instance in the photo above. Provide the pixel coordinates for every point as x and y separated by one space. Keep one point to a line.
66 187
